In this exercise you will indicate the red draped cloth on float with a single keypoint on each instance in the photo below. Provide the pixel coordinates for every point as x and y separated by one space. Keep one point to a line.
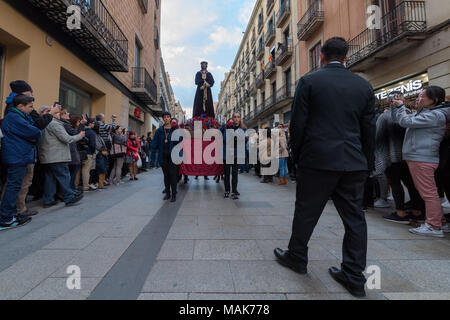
202 169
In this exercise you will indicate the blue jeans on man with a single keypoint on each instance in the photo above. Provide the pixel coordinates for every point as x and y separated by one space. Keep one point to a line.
14 179
57 174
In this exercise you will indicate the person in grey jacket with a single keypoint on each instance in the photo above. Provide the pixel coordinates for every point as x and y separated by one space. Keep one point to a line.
54 154
424 133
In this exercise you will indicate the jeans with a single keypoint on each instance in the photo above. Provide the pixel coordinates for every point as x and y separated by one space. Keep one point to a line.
231 170
57 173
283 167
73 169
14 179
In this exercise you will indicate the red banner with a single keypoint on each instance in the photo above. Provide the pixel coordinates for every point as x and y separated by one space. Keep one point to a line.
202 169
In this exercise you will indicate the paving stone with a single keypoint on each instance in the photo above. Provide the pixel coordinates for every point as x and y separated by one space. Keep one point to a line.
248 297
227 250
131 226
220 221
81 236
269 221
98 258
195 232
189 276
177 250
56 289
249 232
269 276
163 296
24 275
316 250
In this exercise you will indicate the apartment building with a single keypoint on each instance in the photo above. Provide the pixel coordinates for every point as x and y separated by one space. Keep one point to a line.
265 65
407 48
227 100
107 61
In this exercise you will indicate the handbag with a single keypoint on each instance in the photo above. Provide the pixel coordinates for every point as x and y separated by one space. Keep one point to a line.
139 162
117 151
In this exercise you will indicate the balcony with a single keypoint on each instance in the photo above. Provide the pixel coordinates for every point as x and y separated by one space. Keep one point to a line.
99 35
270 36
402 28
260 52
156 38
252 89
260 22
246 96
284 52
260 80
270 5
252 65
271 69
143 86
283 13
311 21
285 93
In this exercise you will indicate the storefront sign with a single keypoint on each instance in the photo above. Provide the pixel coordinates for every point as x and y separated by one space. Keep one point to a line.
409 87
137 113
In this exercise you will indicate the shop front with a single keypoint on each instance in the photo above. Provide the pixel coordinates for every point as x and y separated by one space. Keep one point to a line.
136 120
410 87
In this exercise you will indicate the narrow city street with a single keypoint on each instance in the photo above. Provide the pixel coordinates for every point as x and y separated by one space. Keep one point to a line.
130 244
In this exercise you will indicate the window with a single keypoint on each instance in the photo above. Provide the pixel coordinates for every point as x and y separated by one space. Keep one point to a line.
137 54
75 100
314 57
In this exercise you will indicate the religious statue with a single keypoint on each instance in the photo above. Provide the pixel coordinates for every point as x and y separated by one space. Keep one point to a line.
203 103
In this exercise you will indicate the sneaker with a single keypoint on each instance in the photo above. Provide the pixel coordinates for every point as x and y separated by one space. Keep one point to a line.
446 204
28 213
237 193
427 230
445 228
74 201
420 219
390 197
394 217
92 187
226 195
15 223
51 204
381 203
234 196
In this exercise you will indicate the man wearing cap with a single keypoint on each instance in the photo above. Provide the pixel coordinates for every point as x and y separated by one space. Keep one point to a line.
20 87
203 103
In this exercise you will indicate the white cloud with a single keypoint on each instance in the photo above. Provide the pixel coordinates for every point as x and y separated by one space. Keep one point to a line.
222 36
246 11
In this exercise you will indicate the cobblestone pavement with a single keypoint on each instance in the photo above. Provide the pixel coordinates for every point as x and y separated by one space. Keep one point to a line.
130 244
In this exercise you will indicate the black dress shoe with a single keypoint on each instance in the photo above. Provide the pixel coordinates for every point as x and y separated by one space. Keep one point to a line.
206 178
284 258
51 204
164 191
174 198
167 197
339 277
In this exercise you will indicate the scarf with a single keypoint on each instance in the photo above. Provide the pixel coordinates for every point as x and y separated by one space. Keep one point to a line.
133 142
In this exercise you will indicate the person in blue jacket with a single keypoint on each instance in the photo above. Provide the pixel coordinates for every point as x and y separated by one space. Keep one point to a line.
163 142
20 138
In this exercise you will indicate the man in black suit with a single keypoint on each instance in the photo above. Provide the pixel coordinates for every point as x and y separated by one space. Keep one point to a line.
332 140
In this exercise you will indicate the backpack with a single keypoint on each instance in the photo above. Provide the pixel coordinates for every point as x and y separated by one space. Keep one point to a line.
99 143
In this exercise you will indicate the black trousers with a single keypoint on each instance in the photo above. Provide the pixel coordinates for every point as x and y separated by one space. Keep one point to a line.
231 170
314 188
396 174
170 171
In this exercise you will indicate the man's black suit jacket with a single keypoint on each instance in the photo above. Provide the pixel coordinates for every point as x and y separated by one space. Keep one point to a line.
333 121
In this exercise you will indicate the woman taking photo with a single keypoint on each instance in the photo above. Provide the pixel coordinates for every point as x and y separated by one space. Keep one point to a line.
118 153
231 169
424 133
132 154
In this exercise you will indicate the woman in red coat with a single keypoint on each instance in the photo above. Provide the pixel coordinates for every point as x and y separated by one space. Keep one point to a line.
133 154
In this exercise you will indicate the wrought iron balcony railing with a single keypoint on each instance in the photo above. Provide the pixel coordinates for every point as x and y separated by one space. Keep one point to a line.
270 4
286 92
260 52
284 12
408 18
252 65
260 80
270 69
284 52
312 20
260 22
99 34
270 35
143 86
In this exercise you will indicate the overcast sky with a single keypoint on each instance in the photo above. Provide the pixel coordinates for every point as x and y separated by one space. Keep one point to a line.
196 30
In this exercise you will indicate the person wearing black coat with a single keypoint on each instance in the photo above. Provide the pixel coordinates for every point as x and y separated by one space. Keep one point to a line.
101 167
333 142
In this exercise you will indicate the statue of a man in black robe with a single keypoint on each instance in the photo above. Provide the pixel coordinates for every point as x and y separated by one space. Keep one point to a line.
203 103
